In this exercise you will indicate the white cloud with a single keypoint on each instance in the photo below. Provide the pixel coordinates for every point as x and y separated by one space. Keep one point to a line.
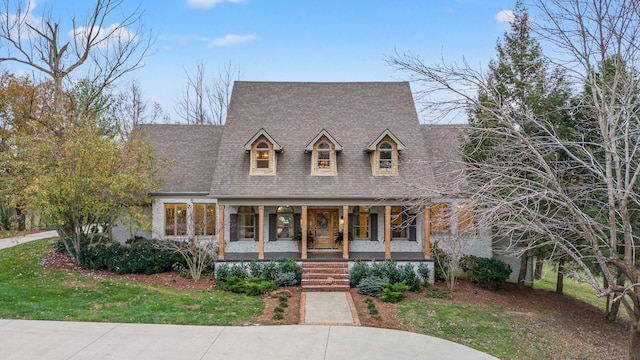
106 37
231 40
505 16
206 4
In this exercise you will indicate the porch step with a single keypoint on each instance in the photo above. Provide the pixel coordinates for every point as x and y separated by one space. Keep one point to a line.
325 276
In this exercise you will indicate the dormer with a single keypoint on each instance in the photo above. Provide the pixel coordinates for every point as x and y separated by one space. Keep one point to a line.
262 148
323 149
384 151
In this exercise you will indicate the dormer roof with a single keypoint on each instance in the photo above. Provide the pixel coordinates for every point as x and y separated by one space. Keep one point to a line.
262 132
326 134
372 145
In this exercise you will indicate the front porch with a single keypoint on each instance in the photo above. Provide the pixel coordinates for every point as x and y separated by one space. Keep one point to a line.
325 225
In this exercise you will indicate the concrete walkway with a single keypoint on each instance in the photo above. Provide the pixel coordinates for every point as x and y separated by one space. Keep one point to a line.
329 330
16 240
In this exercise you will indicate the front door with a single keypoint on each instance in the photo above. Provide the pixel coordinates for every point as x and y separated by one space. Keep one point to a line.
324 224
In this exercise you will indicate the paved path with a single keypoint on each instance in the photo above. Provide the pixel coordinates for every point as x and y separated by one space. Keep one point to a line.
330 330
12 241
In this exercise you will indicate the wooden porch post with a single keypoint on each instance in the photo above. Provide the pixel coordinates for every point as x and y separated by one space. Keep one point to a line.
304 224
345 232
221 233
261 232
387 232
427 232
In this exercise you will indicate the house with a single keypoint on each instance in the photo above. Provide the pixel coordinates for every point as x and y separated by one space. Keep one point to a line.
301 160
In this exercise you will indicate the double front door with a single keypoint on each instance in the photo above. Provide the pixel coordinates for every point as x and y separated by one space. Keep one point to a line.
324 225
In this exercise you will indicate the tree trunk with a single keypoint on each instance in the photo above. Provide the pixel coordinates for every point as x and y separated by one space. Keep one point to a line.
21 219
612 313
522 274
560 282
539 264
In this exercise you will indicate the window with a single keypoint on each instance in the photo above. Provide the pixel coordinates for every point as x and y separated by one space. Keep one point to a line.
175 219
398 222
441 218
262 156
385 157
246 223
323 156
285 222
360 222
204 217
465 218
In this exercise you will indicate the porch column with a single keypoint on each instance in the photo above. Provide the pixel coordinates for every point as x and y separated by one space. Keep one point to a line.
387 232
427 232
221 233
261 232
345 232
304 224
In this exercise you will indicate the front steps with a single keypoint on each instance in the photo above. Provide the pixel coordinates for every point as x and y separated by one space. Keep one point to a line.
325 276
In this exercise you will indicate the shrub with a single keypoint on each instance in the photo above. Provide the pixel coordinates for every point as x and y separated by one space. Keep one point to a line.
290 266
490 273
410 278
254 269
372 285
393 293
424 272
239 270
283 297
388 269
278 310
358 272
223 273
252 286
269 271
288 278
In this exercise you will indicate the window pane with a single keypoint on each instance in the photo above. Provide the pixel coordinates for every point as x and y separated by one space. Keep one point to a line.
398 222
285 222
361 222
169 219
198 219
181 219
246 226
210 222
465 218
441 218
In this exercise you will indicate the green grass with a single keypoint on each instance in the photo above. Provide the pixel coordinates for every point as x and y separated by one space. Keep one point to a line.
571 287
31 291
491 329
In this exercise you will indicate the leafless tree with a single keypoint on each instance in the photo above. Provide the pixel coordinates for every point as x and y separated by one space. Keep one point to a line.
132 109
583 206
203 102
98 52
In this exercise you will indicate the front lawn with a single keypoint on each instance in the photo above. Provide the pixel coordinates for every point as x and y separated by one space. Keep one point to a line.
31 291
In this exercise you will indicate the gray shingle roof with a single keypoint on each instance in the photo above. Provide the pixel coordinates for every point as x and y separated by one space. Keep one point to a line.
293 114
193 150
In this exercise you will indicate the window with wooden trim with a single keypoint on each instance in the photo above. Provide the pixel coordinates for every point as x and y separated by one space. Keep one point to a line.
175 219
441 218
246 223
285 226
399 225
385 156
263 158
324 158
204 218
465 218
361 225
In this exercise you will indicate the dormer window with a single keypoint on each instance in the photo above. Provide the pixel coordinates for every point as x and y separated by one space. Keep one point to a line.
262 156
385 153
323 149
323 156
385 156
262 148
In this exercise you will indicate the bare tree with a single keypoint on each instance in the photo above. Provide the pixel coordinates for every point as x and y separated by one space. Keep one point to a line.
203 102
103 52
132 109
583 205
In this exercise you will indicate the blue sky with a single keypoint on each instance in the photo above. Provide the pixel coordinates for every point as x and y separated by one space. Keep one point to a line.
300 40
